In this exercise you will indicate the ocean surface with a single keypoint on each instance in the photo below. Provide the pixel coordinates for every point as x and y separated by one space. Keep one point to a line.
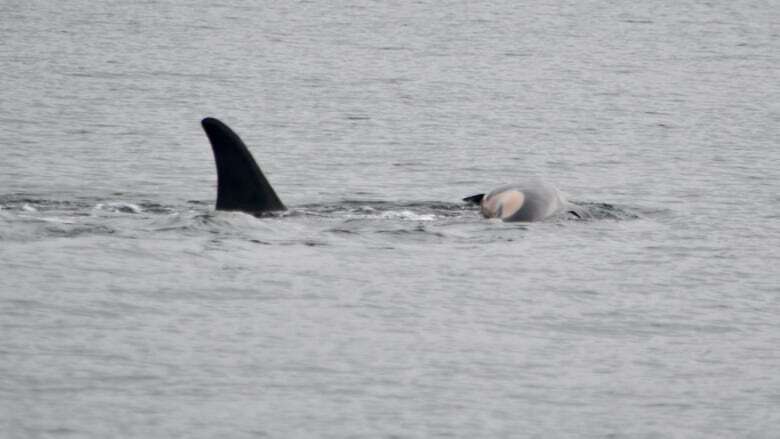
379 304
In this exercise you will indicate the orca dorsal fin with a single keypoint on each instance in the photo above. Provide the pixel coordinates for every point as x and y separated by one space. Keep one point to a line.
240 183
476 199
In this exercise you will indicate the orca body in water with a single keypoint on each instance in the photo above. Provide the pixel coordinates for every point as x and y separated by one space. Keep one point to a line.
242 186
532 200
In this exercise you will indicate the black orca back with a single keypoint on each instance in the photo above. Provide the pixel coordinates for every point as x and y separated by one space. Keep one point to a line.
240 183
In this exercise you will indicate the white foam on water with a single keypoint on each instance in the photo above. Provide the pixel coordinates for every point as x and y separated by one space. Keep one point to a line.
408 215
119 206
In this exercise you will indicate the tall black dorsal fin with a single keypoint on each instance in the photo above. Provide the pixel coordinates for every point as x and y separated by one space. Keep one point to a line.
240 183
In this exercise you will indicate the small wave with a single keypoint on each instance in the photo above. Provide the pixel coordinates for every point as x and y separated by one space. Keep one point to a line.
607 211
416 232
119 207
197 222
372 209
81 206
72 232
156 208
55 220
408 215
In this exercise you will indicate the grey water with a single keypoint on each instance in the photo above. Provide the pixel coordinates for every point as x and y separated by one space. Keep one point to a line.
379 304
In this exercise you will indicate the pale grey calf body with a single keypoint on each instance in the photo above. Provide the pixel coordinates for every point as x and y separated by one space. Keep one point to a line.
528 201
